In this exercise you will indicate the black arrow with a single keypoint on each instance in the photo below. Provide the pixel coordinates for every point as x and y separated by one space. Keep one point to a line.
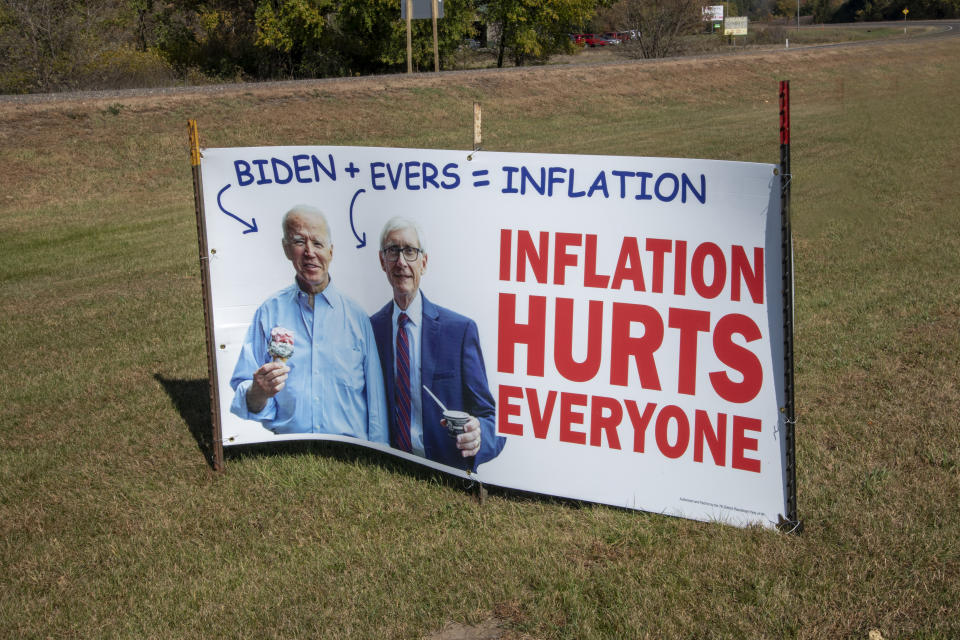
251 226
363 237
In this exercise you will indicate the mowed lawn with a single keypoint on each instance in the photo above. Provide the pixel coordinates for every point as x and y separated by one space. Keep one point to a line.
112 523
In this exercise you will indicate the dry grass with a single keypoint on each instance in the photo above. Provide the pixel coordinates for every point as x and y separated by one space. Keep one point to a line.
113 525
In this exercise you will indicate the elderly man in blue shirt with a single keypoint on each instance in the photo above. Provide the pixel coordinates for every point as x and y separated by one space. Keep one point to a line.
333 382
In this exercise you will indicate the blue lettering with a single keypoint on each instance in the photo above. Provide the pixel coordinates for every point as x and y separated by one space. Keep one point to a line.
244 177
643 195
570 192
526 176
676 187
449 172
376 175
395 179
430 175
509 171
688 186
600 184
299 168
318 166
554 179
623 175
412 173
263 178
277 163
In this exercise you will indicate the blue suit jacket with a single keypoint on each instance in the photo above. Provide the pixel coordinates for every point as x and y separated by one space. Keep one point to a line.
451 364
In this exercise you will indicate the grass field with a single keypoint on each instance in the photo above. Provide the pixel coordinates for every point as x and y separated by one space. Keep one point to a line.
762 35
113 525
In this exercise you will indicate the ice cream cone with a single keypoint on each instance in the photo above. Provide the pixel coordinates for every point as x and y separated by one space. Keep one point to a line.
281 344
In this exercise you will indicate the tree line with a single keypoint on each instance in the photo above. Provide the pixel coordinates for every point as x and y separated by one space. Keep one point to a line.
56 45
51 45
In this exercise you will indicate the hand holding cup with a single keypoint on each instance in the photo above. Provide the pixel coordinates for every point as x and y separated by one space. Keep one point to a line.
466 429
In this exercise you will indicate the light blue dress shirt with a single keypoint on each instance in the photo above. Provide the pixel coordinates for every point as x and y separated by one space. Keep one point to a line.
335 384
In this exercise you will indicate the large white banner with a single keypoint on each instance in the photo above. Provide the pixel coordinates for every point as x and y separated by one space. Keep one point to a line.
629 313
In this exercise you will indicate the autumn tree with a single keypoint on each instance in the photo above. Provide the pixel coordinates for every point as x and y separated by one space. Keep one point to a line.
55 45
531 29
660 25
290 37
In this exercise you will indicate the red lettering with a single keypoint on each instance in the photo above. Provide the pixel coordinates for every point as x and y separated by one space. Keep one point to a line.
680 269
528 254
505 246
690 323
741 271
659 248
512 333
569 417
605 416
703 432
624 347
639 422
540 420
737 358
590 277
743 443
697 268
662 430
506 409
563 259
563 341
628 266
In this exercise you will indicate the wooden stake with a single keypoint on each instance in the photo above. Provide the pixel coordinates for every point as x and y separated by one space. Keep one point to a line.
216 436
476 126
436 51
409 36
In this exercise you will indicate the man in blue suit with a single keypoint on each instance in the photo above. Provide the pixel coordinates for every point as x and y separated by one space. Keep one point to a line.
422 344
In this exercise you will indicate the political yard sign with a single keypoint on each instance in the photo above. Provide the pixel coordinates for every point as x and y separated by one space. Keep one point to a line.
628 310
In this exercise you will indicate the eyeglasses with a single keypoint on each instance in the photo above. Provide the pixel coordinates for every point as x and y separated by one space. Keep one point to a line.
410 254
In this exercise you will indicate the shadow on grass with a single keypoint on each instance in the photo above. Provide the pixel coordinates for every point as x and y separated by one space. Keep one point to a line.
349 454
192 399
353 454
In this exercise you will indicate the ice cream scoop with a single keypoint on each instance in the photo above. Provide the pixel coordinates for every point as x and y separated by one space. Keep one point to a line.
281 344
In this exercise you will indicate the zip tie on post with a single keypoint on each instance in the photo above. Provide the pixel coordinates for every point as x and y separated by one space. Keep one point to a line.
476 482
789 526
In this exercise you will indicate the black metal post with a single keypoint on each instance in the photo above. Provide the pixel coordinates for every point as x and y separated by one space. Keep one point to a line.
791 522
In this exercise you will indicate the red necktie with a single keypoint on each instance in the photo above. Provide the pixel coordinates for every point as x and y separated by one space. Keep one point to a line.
402 435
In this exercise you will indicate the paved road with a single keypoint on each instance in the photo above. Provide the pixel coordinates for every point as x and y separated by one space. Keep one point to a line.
939 29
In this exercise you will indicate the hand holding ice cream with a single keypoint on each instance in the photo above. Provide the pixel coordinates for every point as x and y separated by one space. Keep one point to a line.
460 425
270 378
